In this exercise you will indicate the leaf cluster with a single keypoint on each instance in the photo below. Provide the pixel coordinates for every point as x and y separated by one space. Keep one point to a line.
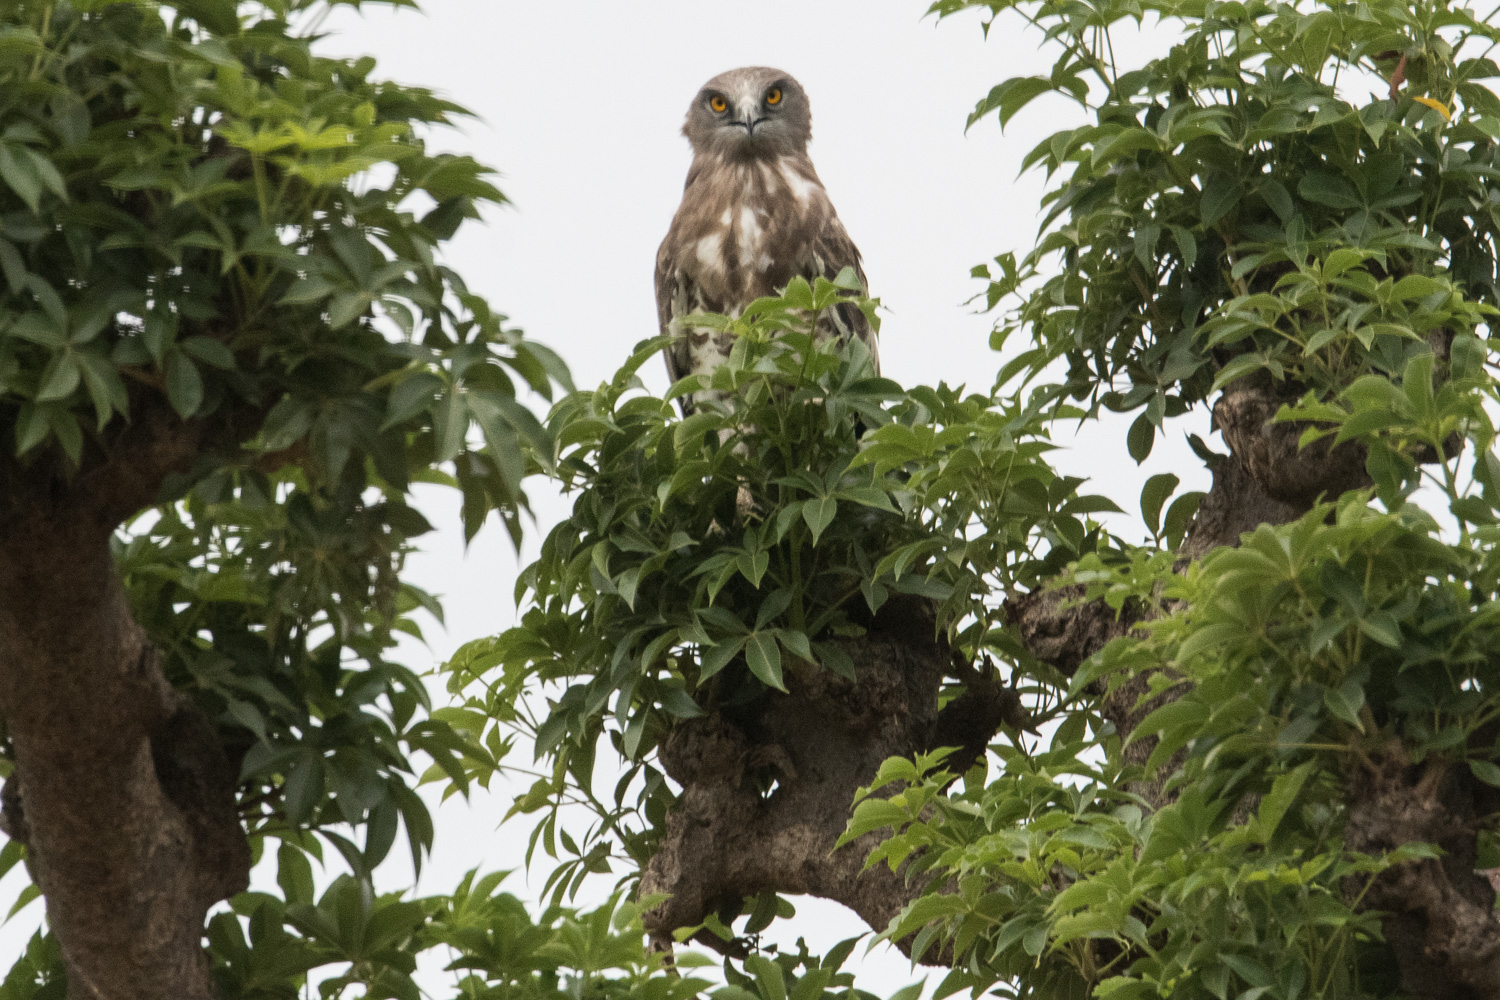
352 941
1299 189
200 213
710 558
1296 659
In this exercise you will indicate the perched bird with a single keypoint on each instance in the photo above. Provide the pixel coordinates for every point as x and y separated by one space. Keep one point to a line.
753 216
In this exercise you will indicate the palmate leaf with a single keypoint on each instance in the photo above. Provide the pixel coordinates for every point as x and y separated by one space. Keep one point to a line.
217 279
763 656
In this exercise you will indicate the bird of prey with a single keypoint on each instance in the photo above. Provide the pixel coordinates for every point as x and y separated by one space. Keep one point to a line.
753 217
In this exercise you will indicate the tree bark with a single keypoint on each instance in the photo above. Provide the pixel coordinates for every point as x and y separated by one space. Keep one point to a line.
767 789
121 791
1440 922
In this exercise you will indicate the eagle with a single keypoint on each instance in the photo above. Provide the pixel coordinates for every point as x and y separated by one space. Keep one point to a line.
754 215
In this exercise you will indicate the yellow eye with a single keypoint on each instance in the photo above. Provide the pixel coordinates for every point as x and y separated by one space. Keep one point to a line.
773 96
718 104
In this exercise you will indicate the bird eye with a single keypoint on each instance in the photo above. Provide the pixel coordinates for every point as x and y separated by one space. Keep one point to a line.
773 96
718 104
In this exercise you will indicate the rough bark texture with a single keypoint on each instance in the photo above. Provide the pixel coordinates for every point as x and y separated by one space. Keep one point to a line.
1235 505
1062 629
1442 924
729 840
1269 454
121 792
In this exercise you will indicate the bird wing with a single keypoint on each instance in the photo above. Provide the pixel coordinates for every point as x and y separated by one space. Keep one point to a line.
832 251
670 298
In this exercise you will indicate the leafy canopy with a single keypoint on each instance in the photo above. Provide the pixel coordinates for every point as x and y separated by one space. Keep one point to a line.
202 217
1298 196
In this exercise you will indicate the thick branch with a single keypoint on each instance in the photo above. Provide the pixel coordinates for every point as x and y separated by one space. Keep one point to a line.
121 791
1441 923
970 721
767 789
1269 452
125 797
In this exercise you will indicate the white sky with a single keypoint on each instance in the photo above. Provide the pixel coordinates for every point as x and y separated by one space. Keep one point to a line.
580 106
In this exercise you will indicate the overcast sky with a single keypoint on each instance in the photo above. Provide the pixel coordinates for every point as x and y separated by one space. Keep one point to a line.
580 106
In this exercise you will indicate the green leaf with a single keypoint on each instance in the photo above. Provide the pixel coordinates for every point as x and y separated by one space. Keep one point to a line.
1187 245
209 351
59 380
20 175
184 384
1416 286
679 704
1345 701
1153 495
1139 439
25 898
1277 197
1486 772
819 513
32 428
294 875
1011 96
304 788
774 605
1276 802
1220 194
1180 516
1382 627
753 566
763 656
717 657
1328 189
872 814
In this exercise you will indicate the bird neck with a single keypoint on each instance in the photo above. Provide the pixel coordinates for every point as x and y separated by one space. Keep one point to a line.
733 174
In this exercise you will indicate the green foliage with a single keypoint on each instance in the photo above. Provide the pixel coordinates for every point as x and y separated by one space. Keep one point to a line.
1297 658
493 946
707 556
208 229
278 606
1231 213
1245 203
199 211
800 976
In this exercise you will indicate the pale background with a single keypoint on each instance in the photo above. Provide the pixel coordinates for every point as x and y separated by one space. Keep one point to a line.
579 105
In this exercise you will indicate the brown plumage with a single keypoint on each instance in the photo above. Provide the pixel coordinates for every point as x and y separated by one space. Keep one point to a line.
753 216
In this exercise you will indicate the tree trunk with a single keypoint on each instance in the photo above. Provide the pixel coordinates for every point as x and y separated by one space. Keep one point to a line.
768 788
121 792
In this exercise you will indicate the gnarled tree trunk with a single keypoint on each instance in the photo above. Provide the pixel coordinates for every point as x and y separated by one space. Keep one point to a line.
727 841
121 791
767 790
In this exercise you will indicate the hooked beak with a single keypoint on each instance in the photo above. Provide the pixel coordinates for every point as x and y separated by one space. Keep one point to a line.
748 119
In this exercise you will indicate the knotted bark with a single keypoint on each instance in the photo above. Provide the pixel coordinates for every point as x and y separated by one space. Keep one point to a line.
1441 914
1440 921
767 790
121 791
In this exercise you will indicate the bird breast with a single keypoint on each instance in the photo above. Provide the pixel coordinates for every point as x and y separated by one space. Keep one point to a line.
745 229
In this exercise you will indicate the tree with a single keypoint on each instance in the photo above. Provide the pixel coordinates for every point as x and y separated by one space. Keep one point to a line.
1269 761
1254 757
210 434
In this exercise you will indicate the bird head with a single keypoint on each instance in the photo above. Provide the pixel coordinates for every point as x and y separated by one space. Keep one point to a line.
750 112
